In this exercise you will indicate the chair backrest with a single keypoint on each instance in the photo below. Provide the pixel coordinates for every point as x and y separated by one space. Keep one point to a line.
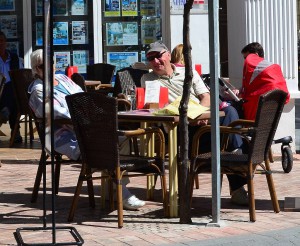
95 122
21 79
270 107
101 71
127 76
79 80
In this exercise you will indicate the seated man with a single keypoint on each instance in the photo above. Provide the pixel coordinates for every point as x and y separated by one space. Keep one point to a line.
65 141
173 78
259 76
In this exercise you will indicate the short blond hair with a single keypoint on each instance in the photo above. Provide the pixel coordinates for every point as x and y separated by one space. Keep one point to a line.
36 59
177 54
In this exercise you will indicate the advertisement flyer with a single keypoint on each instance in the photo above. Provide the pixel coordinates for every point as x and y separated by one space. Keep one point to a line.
7 5
129 8
121 33
8 25
81 60
122 59
112 8
79 32
150 7
38 7
62 60
79 7
60 7
150 30
60 33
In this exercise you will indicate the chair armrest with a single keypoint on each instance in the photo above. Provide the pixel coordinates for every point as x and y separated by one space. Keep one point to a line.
223 130
149 131
243 123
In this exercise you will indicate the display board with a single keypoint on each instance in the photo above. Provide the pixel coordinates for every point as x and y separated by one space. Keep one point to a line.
11 23
72 32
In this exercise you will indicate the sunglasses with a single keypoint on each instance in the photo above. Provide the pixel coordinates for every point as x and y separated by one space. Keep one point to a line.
157 56
41 66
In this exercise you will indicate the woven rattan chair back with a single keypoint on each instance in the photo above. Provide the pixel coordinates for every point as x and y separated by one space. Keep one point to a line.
128 76
101 71
267 118
94 118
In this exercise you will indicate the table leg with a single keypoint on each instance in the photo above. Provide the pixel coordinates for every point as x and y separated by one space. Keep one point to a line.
173 175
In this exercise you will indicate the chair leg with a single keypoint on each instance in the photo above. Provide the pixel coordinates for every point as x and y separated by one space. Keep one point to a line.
164 194
271 158
251 196
119 197
57 173
111 194
31 131
76 197
37 181
91 193
13 135
196 182
271 186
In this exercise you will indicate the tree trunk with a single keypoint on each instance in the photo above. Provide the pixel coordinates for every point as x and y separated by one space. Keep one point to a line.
184 180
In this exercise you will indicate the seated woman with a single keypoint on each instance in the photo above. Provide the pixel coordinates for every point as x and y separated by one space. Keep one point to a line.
65 141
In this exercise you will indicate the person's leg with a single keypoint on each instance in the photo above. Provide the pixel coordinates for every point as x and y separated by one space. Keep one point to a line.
235 140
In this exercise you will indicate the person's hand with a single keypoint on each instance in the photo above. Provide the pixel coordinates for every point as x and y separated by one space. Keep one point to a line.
198 123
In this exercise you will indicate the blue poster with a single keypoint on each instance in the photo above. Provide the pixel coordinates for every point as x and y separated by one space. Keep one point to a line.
60 33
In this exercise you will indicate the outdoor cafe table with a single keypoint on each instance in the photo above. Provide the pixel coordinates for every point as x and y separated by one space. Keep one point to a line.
171 123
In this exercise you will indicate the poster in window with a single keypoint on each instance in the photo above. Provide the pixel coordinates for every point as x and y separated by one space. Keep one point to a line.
60 7
79 32
8 25
122 59
199 6
129 8
79 7
39 34
112 8
62 60
13 47
81 60
150 30
38 7
150 7
121 33
60 33
7 5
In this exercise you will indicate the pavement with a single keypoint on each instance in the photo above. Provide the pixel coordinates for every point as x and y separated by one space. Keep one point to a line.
147 226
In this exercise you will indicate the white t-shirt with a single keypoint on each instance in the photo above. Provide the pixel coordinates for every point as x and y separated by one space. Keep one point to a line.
175 83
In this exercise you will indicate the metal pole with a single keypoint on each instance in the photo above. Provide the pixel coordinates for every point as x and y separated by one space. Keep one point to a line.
213 10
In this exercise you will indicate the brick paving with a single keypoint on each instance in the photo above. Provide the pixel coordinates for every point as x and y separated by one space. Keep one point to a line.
147 226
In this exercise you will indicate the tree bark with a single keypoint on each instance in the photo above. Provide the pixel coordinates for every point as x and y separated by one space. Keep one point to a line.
184 166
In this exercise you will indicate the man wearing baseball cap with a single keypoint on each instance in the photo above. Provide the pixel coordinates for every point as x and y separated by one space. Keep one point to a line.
172 77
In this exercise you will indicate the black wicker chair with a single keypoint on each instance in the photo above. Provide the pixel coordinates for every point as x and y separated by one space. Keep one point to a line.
262 132
21 79
95 121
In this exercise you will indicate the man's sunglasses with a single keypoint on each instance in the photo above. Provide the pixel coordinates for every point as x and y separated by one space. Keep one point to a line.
41 66
157 56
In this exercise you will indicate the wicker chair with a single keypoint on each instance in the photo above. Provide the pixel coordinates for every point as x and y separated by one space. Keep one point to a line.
95 122
21 79
262 133
128 76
